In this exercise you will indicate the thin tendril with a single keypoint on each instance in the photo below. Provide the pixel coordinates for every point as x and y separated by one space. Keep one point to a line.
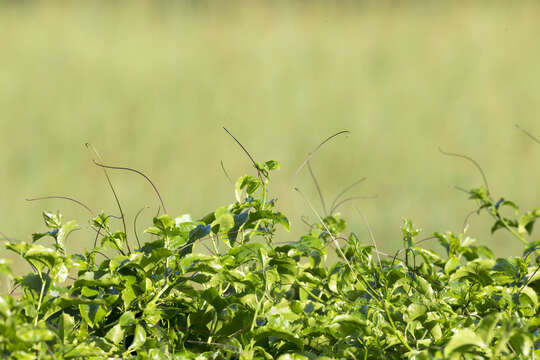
310 155
350 199
225 172
137 172
304 220
62 197
364 218
344 191
534 138
472 161
318 188
88 145
135 224
6 237
242 146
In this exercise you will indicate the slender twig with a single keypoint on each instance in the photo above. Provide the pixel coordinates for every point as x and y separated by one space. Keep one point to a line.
50 351
242 146
310 155
98 232
76 229
325 212
102 254
88 145
459 188
344 191
534 138
225 172
137 172
350 199
6 237
472 161
466 221
530 278
304 220
364 218
14 288
62 197
135 224
387 255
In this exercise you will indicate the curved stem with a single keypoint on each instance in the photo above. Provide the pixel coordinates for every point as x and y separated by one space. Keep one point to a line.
88 145
310 155
137 172
64 198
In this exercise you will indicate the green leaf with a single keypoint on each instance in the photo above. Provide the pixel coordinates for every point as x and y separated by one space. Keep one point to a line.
34 282
128 295
463 341
352 322
52 221
250 183
139 338
282 220
224 219
269 215
4 267
115 241
265 332
245 252
115 335
272 165
92 313
85 350
294 356
6 303
23 355
199 232
416 310
526 222
451 265
30 334
64 232
528 295
38 254
127 319
486 328
522 343
66 326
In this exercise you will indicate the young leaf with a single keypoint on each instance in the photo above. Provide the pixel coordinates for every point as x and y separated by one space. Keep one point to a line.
463 341
139 338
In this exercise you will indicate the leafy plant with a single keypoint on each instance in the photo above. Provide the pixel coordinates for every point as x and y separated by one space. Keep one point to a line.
251 297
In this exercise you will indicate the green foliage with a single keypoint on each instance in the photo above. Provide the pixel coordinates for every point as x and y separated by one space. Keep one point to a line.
251 297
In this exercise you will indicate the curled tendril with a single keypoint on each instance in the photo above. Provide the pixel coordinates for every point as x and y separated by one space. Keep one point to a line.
64 198
472 161
310 155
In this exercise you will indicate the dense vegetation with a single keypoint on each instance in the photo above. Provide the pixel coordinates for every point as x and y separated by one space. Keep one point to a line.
252 295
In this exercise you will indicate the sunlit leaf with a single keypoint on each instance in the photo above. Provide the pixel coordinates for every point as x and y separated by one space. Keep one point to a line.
463 341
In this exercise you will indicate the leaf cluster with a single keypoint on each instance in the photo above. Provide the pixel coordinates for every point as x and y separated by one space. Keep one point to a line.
222 287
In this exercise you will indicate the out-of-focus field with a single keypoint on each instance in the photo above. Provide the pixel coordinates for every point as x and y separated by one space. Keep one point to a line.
151 86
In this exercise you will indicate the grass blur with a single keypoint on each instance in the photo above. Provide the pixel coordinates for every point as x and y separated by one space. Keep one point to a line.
150 86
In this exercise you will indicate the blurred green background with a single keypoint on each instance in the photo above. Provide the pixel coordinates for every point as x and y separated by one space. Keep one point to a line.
150 85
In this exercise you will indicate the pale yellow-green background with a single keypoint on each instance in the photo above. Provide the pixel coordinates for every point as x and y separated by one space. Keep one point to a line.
152 85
